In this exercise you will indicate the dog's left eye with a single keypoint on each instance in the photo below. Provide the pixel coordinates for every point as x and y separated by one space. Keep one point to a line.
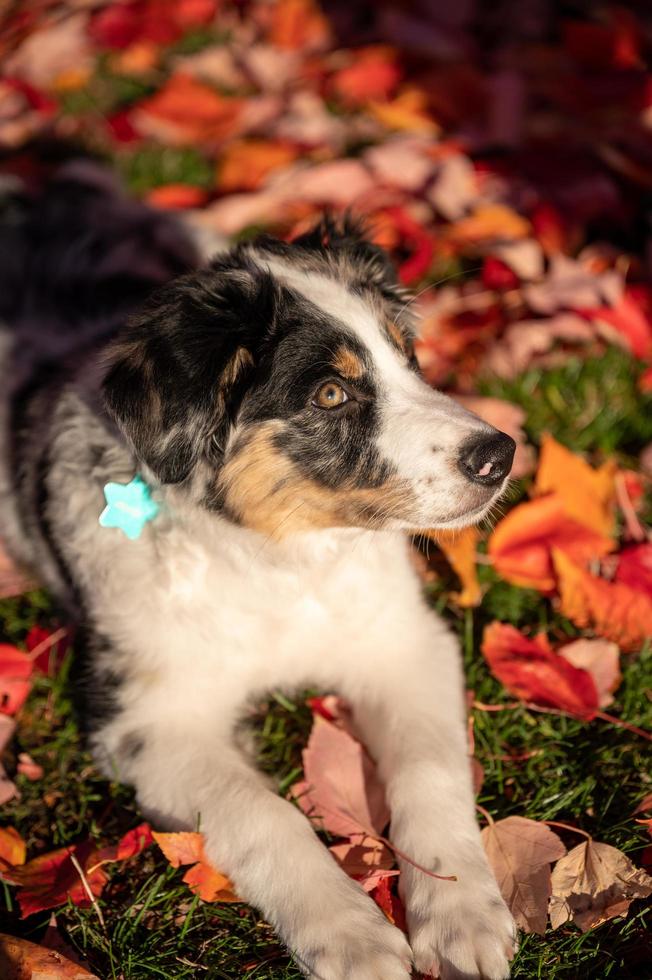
330 395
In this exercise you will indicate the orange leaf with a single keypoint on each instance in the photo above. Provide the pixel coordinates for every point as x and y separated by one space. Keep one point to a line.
373 74
298 25
245 164
177 197
520 547
12 846
183 847
587 494
209 884
408 111
186 111
488 222
460 549
613 609
202 878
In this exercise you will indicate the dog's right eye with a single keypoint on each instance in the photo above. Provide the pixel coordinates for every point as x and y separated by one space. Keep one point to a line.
330 395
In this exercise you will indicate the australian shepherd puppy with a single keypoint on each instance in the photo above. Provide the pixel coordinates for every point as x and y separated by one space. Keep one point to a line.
219 489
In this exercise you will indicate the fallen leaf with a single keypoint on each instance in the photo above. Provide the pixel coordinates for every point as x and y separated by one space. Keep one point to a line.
530 669
15 672
570 285
51 879
594 883
526 340
185 111
245 164
588 495
298 25
368 861
401 162
341 792
373 74
47 648
634 567
520 852
613 609
407 111
22 960
50 50
628 321
176 197
601 659
12 846
489 222
521 545
28 768
460 548
185 847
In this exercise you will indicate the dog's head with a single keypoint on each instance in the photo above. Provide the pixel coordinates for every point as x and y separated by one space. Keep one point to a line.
281 381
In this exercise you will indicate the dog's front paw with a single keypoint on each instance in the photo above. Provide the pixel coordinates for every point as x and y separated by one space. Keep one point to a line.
460 930
360 945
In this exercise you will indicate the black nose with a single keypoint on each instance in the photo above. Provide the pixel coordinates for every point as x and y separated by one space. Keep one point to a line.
487 460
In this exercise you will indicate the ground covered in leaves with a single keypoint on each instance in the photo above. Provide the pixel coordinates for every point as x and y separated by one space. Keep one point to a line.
505 161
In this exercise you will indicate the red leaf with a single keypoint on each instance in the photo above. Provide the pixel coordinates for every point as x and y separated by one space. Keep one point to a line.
635 567
51 654
15 670
630 319
531 670
496 274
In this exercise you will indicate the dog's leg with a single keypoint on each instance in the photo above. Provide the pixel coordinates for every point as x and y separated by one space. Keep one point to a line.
411 713
270 852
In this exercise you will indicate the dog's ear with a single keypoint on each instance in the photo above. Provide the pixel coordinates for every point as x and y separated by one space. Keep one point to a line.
177 374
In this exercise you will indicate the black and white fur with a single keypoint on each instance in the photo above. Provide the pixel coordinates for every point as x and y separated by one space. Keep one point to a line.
279 559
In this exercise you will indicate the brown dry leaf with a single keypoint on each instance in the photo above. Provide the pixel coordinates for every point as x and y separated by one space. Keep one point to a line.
571 285
594 883
527 339
341 791
520 852
601 659
588 495
460 549
22 960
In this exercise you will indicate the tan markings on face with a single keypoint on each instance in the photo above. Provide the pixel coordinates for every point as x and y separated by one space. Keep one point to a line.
264 490
347 363
397 337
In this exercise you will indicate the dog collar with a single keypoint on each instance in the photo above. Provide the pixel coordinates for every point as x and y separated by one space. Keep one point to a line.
129 506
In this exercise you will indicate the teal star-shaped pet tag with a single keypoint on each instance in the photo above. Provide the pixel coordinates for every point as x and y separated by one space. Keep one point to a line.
129 506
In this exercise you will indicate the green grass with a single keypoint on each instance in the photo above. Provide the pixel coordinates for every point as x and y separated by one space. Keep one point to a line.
543 766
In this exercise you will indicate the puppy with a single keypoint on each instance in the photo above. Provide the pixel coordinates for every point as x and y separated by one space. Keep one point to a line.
271 441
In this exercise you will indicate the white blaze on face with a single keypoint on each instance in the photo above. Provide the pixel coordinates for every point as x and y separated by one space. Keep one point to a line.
421 430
